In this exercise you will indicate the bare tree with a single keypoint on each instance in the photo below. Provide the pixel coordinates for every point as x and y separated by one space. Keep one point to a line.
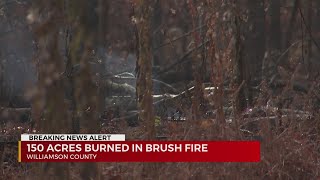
144 67
50 85
85 90
275 31
254 46
144 74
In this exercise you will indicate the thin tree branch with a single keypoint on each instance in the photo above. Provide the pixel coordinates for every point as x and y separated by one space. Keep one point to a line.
180 37
182 59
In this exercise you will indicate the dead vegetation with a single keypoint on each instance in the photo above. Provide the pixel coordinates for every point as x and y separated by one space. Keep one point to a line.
205 70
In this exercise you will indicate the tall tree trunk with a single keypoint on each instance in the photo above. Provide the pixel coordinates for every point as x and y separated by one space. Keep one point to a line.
217 47
289 32
197 62
254 46
240 72
316 26
144 75
103 7
308 31
144 67
50 84
85 90
275 31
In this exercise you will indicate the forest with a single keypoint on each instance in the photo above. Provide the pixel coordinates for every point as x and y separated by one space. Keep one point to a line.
163 70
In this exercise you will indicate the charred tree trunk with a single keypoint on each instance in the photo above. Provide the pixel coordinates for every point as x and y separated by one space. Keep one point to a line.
289 32
75 126
254 46
240 73
103 7
316 26
275 31
241 77
308 26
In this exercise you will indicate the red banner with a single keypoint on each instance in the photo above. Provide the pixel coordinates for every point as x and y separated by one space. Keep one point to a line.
139 151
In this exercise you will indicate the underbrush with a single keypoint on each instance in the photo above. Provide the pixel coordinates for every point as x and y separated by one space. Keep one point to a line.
288 152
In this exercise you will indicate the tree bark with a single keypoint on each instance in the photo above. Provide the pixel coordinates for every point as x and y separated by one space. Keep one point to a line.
275 31
144 75
308 26
197 62
50 86
85 90
254 46
290 28
144 67
240 72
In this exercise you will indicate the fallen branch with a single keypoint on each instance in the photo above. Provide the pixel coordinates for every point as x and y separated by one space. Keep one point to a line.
154 80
